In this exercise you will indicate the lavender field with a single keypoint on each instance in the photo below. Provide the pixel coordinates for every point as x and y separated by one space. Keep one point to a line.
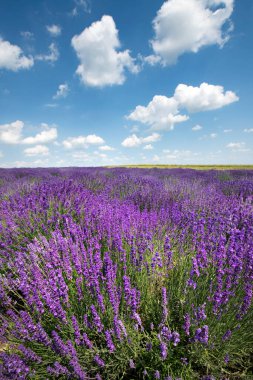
126 274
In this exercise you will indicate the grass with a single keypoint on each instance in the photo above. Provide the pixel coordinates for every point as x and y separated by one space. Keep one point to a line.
196 167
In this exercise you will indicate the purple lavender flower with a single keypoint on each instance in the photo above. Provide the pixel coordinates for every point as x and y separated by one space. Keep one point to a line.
29 354
227 335
200 313
96 319
163 350
166 333
149 346
13 367
58 370
175 338
227 358
109 341
99 361
87 341
76 330
164 305
184 361
201 334
187 324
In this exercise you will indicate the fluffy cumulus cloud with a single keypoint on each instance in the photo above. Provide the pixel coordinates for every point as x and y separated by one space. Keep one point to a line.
206 97
46 136
37 150
211 136
81 6
134 141
13 58
248 130
62 91
197 128
237 147
183 26
162 113
12 133
101 64
27 35
52 56
106 148
148 147
82 141
54 30
178 154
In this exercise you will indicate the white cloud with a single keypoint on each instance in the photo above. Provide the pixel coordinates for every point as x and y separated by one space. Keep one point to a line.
100 155
81 156
197 128
227 130
46 136
179 154
51 105
208 137
62 91
238 147
134 141
206 97
52 56
183 26
81 5
248 130
100 62
12 57
134 129
156 158
161 113
106 148
131 141
30 164
54 30
11 133
27 35
152 59
37 150
82 141
148 147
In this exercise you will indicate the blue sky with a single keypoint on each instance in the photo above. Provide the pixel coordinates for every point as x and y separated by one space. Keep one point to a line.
87 83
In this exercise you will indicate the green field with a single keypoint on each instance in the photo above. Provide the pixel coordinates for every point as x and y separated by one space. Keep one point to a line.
196 167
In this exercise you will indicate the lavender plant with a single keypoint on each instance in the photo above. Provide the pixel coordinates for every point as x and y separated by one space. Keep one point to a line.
126 274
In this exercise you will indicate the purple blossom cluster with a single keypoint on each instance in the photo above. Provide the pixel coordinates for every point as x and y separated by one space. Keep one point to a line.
123 271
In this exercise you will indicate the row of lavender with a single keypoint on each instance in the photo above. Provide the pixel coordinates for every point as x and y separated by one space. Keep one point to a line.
126 274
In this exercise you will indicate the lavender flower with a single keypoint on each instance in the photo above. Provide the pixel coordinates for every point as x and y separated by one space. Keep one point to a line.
99 361
163 350
227 335
201 334
109 341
